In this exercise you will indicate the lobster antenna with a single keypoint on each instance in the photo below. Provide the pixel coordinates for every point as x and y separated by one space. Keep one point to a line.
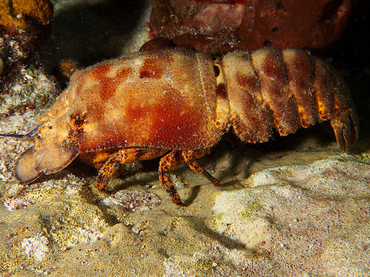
21 136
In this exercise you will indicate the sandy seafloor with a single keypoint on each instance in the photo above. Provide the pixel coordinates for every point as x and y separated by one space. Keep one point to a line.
294 206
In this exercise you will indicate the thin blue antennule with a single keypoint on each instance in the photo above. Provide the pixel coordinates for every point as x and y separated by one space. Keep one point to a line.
21 136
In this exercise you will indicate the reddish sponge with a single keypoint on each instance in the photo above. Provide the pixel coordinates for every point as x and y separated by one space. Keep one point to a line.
222 26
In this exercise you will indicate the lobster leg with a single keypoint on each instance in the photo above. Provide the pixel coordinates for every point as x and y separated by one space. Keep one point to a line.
125 156
175 159
170 161
190 157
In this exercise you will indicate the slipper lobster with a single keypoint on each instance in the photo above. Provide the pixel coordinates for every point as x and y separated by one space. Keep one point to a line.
179 104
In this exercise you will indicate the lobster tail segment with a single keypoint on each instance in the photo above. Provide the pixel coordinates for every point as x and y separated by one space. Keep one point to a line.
284 90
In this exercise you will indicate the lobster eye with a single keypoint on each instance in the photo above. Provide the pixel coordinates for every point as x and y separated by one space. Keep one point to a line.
216 70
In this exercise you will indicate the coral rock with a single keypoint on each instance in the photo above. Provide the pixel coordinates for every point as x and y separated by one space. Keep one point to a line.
24 16
215 26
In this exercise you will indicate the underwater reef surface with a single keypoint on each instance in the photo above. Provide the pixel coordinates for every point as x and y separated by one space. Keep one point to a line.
292 206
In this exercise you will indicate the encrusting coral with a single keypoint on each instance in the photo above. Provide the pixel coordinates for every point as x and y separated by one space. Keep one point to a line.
222 26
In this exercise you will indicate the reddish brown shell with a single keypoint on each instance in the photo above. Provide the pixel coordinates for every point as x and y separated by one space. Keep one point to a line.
285 90
152 102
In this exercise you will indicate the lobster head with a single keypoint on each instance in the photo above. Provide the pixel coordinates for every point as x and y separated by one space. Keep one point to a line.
53 150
